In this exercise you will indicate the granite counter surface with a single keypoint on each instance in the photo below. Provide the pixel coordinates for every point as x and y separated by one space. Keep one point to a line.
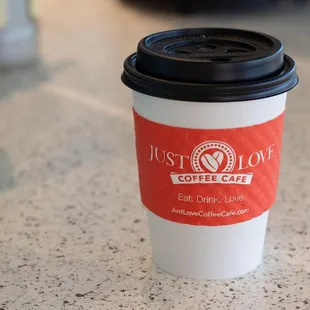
73 234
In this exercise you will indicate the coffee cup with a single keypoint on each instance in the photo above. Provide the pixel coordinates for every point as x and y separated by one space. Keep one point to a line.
209 107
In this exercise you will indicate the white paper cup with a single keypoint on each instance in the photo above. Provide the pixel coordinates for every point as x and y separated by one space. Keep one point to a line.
221 118
202 252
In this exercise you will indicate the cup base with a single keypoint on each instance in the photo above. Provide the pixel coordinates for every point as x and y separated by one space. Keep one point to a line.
207 252
199 277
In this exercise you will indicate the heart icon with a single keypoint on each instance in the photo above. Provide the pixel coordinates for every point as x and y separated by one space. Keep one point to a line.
212 162
218 156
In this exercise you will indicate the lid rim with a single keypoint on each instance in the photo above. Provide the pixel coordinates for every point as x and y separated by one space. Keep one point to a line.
253 90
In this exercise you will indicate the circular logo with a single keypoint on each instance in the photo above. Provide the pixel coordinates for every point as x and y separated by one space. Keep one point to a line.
213 156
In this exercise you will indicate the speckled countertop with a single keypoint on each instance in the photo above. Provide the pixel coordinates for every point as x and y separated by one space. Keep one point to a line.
72 232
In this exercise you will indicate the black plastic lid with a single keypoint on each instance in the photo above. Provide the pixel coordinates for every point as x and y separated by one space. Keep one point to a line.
210 64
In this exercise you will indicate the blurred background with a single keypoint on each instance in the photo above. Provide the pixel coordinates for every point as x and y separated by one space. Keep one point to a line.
68 176
79 47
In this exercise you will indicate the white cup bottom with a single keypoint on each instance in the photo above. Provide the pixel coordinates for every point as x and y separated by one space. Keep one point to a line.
207 252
